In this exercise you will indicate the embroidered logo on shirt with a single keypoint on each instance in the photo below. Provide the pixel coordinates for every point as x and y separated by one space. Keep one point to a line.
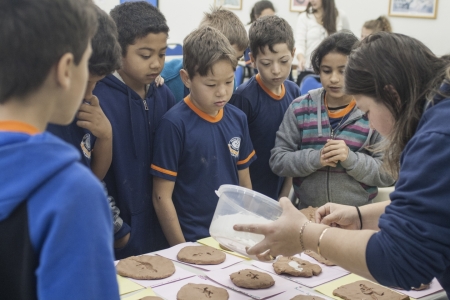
234 145
86 145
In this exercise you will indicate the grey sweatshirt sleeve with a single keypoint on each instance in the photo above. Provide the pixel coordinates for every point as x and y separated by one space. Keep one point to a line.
366 168
286 159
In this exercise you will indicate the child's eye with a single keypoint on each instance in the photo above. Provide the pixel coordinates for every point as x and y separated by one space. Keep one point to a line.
145 56
211 85
284 61
326 71
162 55
229 82
265 64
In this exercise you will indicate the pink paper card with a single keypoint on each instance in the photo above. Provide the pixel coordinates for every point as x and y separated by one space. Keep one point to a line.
299 290
328 273
171 253
223 277
434 288
169 291
179 274
312 260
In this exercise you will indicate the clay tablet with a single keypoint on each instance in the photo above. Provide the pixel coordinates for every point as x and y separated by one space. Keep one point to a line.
201 255
145 267
252 279
296 267
151 298
319 258
192 291
364 289
306 297
309 212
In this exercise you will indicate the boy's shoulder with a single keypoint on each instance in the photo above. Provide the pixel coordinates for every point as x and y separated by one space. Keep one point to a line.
172 69
247 87
110 84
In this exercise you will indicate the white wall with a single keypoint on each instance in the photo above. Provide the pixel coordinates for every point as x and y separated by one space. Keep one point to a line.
183 16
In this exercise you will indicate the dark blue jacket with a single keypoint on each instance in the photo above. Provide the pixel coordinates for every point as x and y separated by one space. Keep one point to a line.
128 180
413 245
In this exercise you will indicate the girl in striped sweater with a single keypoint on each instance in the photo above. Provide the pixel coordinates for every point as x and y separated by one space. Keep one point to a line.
323 139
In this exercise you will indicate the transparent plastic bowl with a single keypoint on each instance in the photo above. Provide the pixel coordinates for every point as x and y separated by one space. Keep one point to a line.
238 205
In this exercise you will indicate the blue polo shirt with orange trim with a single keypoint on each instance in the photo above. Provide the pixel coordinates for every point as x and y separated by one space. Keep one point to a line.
200 153
265 111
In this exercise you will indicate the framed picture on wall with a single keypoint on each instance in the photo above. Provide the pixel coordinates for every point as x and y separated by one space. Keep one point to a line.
152 2
413 8
298 5
230 4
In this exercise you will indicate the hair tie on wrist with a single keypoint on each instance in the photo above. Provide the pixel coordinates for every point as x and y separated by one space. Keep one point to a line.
360 218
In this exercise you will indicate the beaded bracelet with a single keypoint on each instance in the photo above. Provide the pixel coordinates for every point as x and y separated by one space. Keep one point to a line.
301 234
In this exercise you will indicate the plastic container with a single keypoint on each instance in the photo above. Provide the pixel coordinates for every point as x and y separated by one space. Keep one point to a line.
238 205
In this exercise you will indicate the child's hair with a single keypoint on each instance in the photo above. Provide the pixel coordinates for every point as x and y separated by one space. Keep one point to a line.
34 35
105 57
269 31
341 42
204 47
380 24
136 20
228 24
258 8
329 17
383 61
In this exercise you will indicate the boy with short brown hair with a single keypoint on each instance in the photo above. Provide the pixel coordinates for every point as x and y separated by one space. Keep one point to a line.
202 142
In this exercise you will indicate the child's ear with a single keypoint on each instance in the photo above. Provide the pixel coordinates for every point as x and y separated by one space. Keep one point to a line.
64 70
185 78
293 52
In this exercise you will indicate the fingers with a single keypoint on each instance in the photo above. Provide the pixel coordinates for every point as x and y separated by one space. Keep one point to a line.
253 228
286 204
93 101
260 249
266 256
84 116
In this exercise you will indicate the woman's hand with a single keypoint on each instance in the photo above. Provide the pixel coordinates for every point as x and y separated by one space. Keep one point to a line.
281 236
338 215
301 62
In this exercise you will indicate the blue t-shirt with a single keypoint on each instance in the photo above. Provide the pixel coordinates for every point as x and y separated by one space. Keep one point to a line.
200 153
265 112
80 138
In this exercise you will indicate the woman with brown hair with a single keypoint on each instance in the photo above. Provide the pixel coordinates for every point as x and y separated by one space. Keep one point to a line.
320 19
373 26
405 91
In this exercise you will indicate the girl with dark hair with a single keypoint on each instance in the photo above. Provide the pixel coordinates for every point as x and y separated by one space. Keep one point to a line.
404 89
320 19
260 9
323 139
372 26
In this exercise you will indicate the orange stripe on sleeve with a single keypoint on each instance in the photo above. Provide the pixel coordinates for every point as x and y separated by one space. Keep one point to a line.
241 162
171 173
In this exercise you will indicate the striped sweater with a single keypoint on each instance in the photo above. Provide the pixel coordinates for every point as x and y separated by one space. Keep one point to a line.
303 133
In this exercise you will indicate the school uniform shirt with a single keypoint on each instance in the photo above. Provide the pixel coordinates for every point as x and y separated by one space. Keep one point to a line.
134 121
200 153
82 139
265 112
55 223
413 244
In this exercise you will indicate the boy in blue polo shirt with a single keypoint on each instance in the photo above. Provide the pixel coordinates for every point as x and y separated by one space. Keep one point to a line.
134 106
201 142
55 223
265 97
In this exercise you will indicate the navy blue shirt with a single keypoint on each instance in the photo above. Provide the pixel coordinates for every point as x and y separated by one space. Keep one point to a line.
134 121
265 112
80 138
200 153
413 244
